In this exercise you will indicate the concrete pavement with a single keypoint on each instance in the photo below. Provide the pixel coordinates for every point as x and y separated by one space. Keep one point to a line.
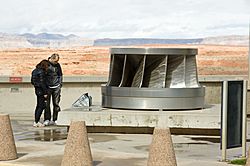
45 147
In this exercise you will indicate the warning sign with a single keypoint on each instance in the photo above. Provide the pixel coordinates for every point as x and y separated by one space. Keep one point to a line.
15 79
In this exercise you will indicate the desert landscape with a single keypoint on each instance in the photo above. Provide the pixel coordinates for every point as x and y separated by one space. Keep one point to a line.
94 60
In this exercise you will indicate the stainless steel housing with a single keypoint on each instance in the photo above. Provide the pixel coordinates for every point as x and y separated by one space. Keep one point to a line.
153 78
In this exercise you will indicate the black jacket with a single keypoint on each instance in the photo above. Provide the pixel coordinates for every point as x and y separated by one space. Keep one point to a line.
38 79
54 75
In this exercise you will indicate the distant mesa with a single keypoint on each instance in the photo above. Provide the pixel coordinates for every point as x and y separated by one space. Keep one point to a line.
13 41
220 40
49 40
227 40
42 40
143 41
48 36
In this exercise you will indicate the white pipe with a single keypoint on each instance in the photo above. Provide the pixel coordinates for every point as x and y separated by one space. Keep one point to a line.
244 118
249 52
224 121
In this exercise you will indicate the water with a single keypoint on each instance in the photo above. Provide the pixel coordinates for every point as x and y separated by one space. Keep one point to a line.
43 135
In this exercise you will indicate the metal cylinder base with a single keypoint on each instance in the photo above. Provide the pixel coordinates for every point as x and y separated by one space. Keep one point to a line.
153 98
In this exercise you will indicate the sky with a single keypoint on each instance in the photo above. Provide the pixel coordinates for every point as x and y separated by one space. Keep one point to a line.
127 18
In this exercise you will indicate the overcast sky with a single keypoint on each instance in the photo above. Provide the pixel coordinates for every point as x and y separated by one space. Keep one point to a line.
127 18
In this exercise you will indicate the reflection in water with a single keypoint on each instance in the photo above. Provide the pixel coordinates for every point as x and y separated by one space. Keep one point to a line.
208 139
189 145
50 135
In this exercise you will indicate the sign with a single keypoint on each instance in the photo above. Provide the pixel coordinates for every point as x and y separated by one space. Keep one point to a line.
15 79
234 114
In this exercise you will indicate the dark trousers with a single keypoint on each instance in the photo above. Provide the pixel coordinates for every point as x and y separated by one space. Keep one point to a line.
55 94
40 104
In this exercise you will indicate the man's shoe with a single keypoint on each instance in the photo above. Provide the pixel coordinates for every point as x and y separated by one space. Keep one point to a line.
46 123
53 123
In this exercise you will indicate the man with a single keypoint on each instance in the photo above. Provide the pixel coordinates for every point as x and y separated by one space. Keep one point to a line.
54 82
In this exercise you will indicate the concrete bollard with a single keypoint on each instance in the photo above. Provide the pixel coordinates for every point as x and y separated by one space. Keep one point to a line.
77 150
161 151
7 142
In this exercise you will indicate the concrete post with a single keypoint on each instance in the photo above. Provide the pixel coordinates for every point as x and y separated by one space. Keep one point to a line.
161 150
77 149
7 143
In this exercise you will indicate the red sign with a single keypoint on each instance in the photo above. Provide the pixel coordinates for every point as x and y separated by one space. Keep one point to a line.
15 79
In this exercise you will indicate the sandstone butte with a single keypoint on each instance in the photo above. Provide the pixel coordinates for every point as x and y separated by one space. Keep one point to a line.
94 61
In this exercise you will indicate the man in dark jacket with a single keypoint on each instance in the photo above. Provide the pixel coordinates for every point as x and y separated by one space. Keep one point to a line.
54 82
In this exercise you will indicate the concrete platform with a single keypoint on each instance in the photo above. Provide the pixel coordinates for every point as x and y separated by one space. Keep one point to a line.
207 118
45 146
